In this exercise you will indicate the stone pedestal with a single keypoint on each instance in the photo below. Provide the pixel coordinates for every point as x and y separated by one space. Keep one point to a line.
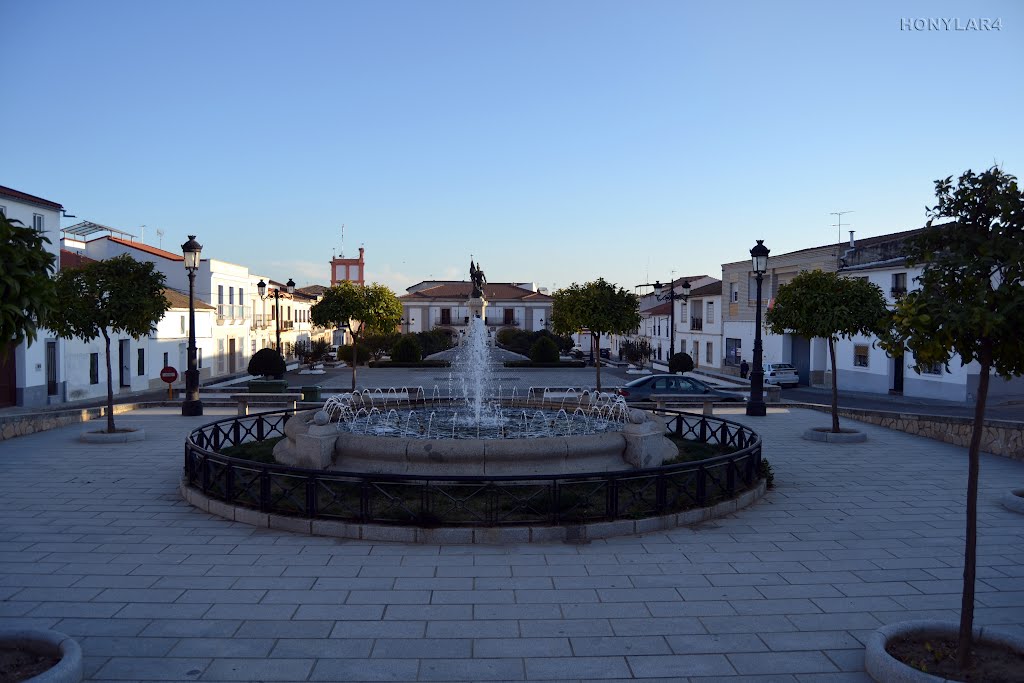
646 445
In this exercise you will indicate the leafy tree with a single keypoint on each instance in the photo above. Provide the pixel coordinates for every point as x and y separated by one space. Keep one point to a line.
970 304
680 362
268 363
820 304
116 296
544 350
364 309
637 351
598 307
407 349
26 288
379 343
434 341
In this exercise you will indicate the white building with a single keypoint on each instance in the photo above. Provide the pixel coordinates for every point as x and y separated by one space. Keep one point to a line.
700 326
444 305
34 374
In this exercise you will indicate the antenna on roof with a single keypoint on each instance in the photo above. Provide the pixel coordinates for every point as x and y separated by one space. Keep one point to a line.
342 253
839 226
160 236
142 233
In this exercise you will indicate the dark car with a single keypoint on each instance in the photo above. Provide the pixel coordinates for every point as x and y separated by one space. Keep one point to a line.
641 389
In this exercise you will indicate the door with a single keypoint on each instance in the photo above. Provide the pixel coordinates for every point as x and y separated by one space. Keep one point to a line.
800 352
8 377
124 357
51 368
232 357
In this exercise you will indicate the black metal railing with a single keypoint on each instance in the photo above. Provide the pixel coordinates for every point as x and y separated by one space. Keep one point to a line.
430 501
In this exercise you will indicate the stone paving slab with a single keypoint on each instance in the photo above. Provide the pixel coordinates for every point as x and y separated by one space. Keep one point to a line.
99 544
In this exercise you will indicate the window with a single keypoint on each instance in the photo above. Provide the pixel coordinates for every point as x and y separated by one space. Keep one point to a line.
734 292
183 324
899 284
94 368
253 352
709 349
860 355
732 351
273 312
932 369
446 316
751 288
220 355
509 314
231 296
142 362
241 296
3 210
37 222
710 315
166 360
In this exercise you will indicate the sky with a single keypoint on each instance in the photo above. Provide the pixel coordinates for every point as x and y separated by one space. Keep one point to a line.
554 141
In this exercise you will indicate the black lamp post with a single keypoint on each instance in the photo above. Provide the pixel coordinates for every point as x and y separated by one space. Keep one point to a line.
755 405
672 297
408 324
192 406
261 287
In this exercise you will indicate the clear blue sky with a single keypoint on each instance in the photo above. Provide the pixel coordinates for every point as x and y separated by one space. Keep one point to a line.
556 141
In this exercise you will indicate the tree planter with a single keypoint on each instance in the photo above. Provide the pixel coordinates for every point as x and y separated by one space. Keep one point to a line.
268 386
827 435
1014 500
51 643
885 668
122 435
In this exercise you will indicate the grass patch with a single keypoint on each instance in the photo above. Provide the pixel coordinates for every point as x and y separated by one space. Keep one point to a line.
257 451
692 451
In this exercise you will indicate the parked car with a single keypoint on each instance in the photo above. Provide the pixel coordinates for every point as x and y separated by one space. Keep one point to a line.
606 353
783 374
642 388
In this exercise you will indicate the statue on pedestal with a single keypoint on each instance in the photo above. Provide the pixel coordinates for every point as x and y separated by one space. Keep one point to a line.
476 275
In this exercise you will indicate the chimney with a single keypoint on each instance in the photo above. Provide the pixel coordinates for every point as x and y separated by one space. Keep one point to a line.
852 245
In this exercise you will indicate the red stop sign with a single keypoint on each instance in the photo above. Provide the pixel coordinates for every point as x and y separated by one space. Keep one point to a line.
169 374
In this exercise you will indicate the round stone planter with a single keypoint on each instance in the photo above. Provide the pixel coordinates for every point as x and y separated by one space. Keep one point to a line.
1014 500
124 436
825 434
53 643
885 668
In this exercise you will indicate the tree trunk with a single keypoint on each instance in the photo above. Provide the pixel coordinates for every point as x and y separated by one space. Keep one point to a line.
835 388
595 349
971 544
110 387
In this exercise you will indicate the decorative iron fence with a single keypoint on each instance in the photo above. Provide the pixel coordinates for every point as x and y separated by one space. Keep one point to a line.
521 500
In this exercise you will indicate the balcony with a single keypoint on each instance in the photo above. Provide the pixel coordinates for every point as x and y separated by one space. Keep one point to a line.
231 312
501 322
287 325
696 324
897 292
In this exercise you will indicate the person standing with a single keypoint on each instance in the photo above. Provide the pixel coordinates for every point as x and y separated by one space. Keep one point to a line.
744 369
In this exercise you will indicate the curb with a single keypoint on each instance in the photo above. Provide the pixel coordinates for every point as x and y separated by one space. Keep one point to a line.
844 436
1014 500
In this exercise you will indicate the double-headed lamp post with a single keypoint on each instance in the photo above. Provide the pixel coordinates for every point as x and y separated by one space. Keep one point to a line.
755 404
192 406
670 296
261 287
407 324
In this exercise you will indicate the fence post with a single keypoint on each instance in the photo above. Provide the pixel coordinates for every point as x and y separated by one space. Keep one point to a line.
311 496
611 500
264 490
701 486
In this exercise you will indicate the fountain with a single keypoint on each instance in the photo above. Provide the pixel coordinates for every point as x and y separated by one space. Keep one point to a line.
473 430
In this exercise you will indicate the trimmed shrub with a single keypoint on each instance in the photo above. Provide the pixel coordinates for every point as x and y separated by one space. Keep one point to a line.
681 362
267 363
434 341
544 350
407 349
362 354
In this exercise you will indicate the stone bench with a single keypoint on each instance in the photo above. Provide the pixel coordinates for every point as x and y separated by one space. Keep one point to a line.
245 400
708 402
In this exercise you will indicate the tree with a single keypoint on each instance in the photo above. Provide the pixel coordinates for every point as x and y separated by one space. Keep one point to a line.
364 309
407 349
267 363
638 351
970 303
680 362
544 350
116 296
599 307
26 287
820 304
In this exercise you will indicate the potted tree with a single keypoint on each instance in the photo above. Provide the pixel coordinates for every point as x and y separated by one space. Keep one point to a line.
268 364
110 298
970 303
39 655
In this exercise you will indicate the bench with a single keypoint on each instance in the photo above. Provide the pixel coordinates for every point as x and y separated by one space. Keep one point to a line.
708 402
246 400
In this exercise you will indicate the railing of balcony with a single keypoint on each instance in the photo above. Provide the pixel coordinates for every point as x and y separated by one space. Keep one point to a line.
228 311
696 324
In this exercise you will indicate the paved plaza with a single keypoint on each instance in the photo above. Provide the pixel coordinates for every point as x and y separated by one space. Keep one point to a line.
97 543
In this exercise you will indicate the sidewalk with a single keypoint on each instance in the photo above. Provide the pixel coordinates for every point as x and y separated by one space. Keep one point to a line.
98 544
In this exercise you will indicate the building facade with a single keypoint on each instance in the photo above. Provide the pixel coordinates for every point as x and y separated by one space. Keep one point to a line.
444 305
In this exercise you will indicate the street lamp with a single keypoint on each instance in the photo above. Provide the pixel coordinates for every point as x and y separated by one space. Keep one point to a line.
672 297
261 287
755 404
192 406
408 323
